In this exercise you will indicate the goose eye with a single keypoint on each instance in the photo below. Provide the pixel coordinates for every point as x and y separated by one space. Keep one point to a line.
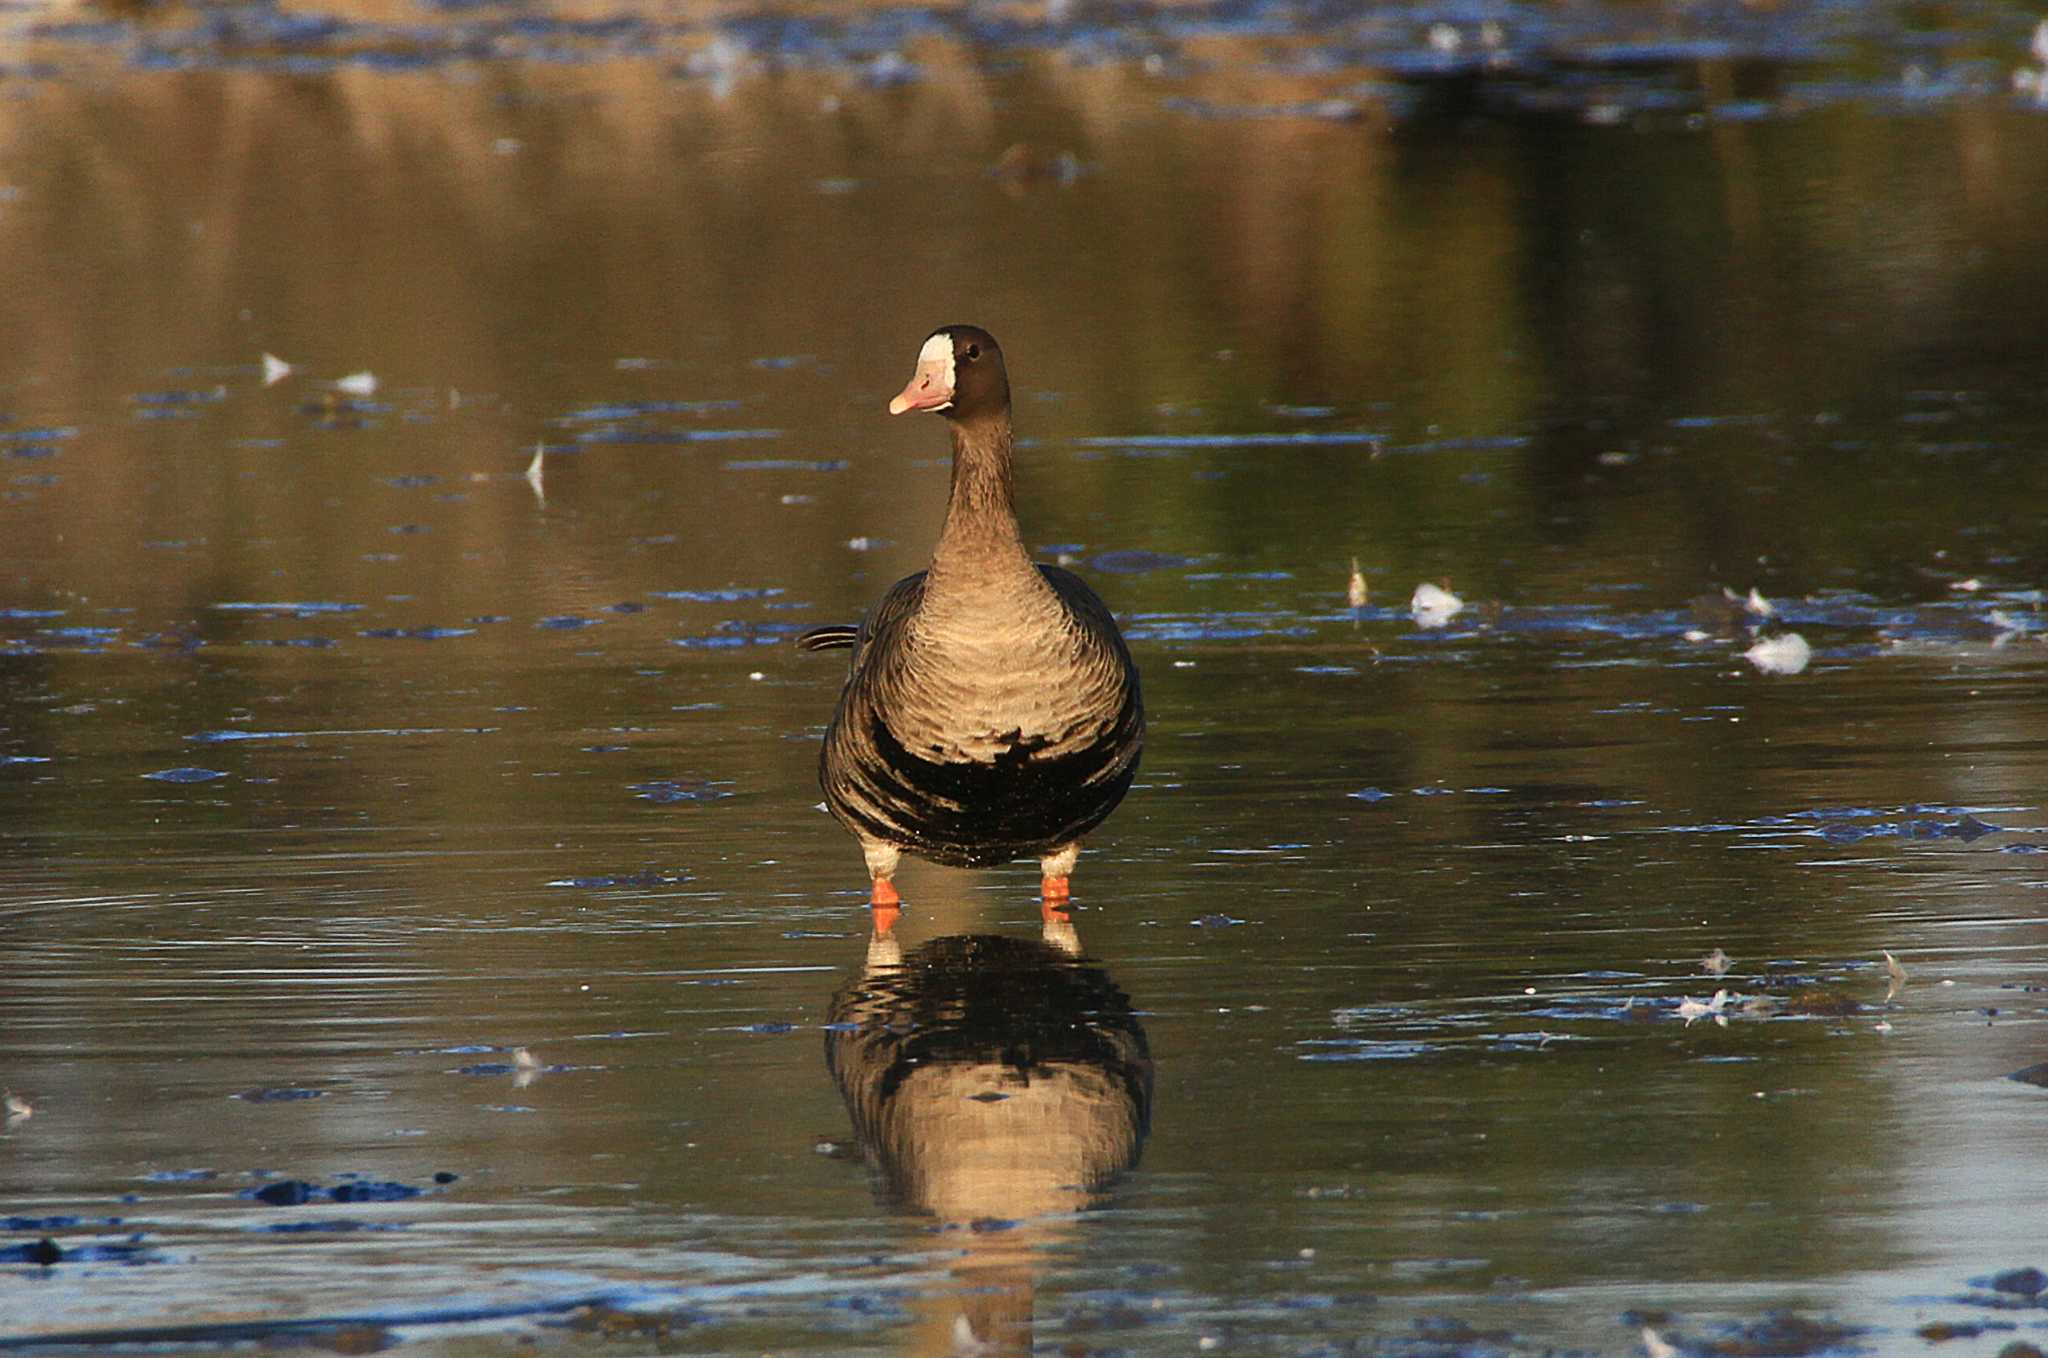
973 351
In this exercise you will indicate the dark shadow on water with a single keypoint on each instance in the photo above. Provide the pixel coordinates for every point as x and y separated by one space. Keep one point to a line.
998 1085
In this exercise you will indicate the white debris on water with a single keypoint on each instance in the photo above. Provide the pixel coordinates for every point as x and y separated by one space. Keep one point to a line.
966 1341
2008 625
1433 605
363 383
1786 653
1690 1009
1354 589
1716 963
2032 81
536 470
275 370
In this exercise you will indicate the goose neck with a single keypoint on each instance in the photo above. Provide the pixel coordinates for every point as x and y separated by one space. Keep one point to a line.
981 516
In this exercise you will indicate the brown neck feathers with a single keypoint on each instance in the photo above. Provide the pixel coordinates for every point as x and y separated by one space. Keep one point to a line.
980 511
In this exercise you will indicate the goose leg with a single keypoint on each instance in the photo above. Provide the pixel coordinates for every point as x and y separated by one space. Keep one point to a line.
882 899
885 906
1053 870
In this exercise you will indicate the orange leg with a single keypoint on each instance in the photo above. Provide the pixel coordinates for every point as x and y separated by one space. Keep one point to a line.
1053 891
885 905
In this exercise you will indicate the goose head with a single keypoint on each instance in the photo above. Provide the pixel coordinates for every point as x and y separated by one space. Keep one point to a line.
959 375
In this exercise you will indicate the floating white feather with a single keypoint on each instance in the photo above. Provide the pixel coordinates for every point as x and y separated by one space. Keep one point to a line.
1786 653
1433 605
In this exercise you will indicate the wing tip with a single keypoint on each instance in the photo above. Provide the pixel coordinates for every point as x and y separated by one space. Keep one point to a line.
830 637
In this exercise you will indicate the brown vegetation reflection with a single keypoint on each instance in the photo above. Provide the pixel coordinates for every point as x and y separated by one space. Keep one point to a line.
492 243
997 1085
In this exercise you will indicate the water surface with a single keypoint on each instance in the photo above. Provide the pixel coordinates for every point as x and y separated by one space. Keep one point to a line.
341 763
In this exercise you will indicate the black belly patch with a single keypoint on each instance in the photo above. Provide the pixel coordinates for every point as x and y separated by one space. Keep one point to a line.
971 813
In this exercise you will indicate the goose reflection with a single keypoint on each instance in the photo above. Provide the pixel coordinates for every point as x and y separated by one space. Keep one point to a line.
998 1085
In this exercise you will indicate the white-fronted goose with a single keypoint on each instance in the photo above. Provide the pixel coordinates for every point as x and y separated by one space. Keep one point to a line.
991 710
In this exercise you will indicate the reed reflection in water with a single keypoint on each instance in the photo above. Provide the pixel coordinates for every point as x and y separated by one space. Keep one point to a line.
998 1085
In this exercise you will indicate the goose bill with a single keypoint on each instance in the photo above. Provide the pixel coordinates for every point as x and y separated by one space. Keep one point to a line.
931 387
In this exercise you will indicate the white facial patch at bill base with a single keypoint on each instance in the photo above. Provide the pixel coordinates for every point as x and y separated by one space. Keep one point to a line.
937 356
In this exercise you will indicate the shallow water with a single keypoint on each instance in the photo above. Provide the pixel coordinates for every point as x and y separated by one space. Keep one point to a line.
340 762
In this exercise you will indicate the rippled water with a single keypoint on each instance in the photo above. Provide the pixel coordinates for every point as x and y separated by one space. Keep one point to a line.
418 921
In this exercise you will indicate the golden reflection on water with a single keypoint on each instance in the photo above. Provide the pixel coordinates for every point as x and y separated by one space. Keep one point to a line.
998 1086
492 238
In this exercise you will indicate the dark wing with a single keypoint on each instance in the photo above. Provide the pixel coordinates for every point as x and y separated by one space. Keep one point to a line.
1103 653
1097 623
884 618
889 615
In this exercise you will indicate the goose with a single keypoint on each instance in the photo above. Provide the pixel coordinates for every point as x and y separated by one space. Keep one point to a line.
991 709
